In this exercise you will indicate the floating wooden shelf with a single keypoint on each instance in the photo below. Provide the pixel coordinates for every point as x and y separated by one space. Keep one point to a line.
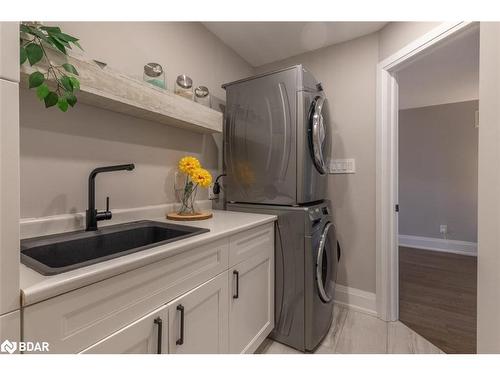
114 91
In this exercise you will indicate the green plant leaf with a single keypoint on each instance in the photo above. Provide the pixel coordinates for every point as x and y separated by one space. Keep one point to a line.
70 68
34 31
51 99
77 44
66 83
63 42
34 53
24 28
33 38
42 91
57 44
23 55
62 103
65 37
71 99
35 79
51 29
75 83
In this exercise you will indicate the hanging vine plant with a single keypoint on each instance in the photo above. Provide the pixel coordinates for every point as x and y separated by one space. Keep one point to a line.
35 40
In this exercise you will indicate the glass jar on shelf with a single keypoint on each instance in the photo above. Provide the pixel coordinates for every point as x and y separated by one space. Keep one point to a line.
154 75
202 96
184 86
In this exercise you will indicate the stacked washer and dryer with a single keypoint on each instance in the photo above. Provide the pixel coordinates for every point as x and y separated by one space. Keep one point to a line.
276 146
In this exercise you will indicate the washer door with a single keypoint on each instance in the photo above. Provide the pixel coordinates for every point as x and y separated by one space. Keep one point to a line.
319 139
326 264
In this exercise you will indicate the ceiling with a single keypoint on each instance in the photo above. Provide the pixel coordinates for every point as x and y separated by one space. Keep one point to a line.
447 74
261 43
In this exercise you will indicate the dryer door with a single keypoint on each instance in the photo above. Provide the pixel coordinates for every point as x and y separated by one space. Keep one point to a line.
260 140
318 133
326 264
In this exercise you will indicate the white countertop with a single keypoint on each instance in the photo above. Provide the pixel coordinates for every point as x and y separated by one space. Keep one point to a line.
35 287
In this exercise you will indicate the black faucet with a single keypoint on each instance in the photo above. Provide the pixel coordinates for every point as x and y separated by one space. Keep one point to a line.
92 215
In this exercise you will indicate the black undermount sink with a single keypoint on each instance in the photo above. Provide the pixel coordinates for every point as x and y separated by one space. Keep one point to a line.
54 254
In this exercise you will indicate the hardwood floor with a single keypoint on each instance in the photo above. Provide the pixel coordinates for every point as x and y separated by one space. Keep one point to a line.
437 297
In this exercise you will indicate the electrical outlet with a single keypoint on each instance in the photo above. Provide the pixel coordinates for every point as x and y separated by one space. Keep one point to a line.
443 229
338 166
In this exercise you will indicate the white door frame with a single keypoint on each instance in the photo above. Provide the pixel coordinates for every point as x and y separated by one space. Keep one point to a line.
387 269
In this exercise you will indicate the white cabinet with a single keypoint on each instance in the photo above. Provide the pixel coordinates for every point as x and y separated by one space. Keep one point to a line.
76 320
10 329
9 195
248 243
9 167
198 319
192 295
147 335
251 306
9 51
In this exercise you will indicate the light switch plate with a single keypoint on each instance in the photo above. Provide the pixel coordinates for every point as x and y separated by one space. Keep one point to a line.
338 166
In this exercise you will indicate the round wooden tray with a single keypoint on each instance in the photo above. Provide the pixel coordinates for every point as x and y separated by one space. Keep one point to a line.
198 216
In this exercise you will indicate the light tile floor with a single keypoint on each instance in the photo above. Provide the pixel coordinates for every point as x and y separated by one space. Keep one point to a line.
353 332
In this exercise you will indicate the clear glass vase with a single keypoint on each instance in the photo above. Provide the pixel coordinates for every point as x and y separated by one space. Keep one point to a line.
188 199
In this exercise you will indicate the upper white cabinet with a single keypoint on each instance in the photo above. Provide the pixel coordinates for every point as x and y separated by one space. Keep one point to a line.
198 319
9 51
9 194
251 306
147 335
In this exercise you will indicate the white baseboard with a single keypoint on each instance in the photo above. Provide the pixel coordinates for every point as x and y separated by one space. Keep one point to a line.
40 226
439 244
356 299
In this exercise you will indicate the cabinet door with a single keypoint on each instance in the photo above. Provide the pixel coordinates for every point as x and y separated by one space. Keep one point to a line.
251 306
147 335
198 319
9 192
10 330
73 321
9 49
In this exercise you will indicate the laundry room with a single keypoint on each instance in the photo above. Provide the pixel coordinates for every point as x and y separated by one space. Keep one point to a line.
210 186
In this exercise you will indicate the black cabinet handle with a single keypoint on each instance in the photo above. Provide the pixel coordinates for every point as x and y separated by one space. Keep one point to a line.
159 322
180 341
237 294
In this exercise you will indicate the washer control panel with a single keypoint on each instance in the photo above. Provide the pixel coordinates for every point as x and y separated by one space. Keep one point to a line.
316 213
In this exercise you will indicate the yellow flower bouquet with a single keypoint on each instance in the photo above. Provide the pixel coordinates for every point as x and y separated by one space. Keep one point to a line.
195 176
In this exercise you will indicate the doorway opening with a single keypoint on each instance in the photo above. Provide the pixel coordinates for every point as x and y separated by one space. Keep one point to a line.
437 193
387 246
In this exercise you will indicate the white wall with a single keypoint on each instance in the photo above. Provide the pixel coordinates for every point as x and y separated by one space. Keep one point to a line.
448 74
58 150
180 47
396 35
488 297
437 163
347 71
